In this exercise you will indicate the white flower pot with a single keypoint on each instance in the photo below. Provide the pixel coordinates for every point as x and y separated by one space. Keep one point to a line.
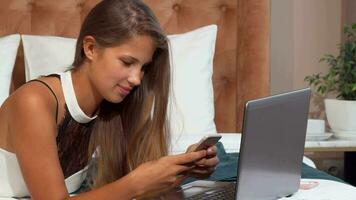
341 115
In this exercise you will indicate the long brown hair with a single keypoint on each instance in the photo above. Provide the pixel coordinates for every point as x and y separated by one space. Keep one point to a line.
135 130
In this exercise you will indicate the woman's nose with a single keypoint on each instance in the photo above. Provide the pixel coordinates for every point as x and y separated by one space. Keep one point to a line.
135 77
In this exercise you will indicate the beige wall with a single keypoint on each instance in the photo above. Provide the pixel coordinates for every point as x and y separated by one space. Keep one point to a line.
302 31
348 11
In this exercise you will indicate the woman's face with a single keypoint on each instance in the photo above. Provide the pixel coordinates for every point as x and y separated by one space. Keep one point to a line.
115 71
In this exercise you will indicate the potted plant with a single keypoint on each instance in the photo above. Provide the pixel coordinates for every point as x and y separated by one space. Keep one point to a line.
340 79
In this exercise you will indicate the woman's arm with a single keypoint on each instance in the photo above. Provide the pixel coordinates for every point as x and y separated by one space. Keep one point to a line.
32 128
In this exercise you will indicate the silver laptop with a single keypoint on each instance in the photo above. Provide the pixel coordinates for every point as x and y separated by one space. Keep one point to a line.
271 152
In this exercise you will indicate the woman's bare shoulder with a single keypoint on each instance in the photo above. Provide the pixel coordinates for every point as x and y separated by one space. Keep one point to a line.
31 106
29 96
33 95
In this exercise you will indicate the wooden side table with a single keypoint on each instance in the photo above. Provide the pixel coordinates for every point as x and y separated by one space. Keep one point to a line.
333 144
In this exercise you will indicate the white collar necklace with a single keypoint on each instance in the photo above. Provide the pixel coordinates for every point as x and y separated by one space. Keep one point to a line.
71 100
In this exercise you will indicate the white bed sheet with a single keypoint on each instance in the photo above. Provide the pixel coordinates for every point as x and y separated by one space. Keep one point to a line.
326 190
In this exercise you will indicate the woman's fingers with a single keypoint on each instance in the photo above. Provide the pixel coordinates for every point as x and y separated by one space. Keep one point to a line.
187 158
208 162
201 173
202 170
180 169
212 151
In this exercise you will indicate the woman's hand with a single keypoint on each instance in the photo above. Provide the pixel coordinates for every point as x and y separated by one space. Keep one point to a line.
154 177
205 166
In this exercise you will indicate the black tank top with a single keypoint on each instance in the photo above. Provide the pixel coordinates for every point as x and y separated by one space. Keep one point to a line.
72 139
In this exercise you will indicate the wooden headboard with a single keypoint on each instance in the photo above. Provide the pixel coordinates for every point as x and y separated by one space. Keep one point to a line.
241 62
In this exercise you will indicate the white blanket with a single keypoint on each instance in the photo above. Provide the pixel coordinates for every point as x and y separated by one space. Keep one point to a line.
326 190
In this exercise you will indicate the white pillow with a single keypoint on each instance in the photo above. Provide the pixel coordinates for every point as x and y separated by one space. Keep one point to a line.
47 54
8 52
191 111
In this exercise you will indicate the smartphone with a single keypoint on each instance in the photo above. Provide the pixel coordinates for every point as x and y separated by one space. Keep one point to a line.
206 142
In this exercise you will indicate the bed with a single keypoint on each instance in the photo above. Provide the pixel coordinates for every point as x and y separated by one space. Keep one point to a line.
239 67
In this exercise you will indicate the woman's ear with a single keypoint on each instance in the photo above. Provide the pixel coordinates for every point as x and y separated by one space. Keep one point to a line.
89 44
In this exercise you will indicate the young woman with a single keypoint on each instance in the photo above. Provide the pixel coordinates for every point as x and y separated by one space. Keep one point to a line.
111 105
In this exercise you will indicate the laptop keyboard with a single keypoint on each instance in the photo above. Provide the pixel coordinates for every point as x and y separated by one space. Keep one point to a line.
227 192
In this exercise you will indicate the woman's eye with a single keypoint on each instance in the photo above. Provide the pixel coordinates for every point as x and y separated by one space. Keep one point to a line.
126 63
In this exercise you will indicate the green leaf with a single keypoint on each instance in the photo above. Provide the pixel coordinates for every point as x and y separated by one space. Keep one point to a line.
353 26
346 29
341 76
